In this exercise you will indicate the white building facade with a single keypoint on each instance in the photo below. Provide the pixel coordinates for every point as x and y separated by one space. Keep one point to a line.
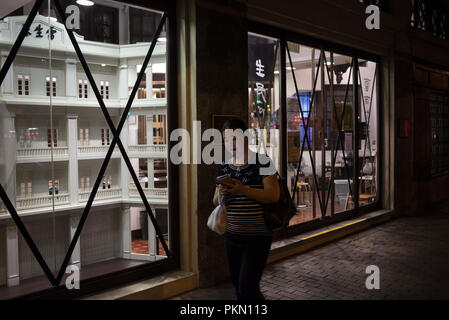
61 138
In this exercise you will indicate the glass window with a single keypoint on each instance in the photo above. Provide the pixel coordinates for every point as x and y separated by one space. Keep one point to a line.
23 85
331 129
439 116
55 145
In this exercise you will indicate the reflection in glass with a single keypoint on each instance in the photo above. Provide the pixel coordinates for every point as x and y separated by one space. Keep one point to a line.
368 132
55 138
263 95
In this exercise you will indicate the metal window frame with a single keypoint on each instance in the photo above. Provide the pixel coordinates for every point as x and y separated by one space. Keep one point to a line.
430 16
130 274
284 36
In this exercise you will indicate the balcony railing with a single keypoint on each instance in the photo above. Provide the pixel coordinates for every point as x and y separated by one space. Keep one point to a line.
41 154
102 194
37 201
41 201
431 16
148 150
151 193
86 152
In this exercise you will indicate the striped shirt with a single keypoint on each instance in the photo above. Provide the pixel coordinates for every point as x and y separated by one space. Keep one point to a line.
244 214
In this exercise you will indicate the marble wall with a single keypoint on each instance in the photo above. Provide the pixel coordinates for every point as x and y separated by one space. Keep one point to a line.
222 68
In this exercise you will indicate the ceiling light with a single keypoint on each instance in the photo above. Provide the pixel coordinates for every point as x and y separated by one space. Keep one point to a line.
86 3
103 64
162 39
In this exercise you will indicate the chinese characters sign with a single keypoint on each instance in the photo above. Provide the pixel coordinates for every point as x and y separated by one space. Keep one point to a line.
261 59
43 31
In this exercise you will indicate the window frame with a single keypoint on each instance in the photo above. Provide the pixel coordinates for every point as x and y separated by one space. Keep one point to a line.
112 279
23 82
51 86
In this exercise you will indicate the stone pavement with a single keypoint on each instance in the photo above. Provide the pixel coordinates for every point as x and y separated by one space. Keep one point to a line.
412 254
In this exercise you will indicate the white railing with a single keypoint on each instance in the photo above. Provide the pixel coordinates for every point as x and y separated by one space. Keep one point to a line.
94 150
33 153
102 194
40 201
149 149
151 193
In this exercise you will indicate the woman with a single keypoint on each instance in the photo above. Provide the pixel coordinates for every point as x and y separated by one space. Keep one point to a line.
248 240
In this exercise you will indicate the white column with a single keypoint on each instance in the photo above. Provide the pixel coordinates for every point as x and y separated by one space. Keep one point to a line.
72 143
124 172
126 232
12 254
150 168
150 162
150 129
149 81
8 143
151 236
123 22
8 82
71 85
75 259
123 80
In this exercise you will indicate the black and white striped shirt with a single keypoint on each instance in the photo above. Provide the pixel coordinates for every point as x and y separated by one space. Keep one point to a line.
244 214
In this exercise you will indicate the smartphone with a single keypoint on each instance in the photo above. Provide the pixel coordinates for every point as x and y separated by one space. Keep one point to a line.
224 178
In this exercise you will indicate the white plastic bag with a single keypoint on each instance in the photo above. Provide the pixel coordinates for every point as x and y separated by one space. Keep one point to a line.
217 219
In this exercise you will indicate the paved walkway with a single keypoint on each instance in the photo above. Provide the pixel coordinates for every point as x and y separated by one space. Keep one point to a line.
412 254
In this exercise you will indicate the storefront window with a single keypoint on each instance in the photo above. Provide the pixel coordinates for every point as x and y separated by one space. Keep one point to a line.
331 101
57 122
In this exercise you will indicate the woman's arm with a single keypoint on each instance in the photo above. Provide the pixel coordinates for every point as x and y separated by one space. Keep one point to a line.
269 193
215 200
222 190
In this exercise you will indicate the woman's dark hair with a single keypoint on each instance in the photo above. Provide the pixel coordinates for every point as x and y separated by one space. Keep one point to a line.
234 123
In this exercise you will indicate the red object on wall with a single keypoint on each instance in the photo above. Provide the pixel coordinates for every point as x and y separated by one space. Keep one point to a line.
403 128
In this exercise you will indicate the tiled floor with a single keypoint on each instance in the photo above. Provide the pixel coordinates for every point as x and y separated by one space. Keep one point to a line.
141 247
412 254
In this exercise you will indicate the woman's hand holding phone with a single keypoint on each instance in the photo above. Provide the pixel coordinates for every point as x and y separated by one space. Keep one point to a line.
233 186
227 184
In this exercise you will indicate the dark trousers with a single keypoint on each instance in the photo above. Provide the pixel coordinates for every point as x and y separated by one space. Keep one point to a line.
247 256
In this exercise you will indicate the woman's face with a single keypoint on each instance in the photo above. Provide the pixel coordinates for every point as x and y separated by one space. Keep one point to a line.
235 142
